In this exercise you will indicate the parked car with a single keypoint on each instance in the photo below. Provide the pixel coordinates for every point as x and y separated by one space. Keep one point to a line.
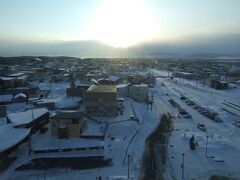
182 98
196 107
217 119
237 123
202 127
188 116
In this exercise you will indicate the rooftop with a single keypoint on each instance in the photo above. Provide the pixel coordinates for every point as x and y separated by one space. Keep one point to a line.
102 88
26 117
11 136
67 115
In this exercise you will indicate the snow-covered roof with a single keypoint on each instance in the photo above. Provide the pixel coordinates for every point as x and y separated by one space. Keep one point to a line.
6 98
7 78
20 95
122 85
26 117
16 74
66 75
102 88
22 77
55 143
140 85
68 102
10 136
113 78
67 115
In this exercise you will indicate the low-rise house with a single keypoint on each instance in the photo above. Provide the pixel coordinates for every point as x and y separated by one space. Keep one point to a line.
22 80
219 84
10 138
101 100
32 118
8 82
6 99
3 111
66 124
77 91
20 98
114 79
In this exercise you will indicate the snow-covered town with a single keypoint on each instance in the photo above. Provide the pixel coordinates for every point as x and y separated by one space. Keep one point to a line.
71 118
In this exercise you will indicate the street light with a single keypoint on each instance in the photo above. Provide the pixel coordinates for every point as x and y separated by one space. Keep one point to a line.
206 150
128 164
182 165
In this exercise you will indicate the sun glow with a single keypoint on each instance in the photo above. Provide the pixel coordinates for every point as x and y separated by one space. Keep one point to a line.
121 23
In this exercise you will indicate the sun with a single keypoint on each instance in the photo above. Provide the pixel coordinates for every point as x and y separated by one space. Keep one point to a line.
121 23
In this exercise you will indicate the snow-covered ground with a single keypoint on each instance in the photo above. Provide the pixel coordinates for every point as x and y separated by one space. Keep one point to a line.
223 138
126 136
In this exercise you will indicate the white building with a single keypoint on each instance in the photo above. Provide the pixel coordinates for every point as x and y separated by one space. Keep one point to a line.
138 92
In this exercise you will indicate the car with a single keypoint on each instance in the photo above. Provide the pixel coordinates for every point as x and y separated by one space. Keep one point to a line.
217 119
183 111
202 127
237 123
190 103
182 98
196 107
187 116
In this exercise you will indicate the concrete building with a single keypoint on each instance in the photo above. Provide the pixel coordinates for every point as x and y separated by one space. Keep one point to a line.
77 90
101 100
138 92
8 82
66 124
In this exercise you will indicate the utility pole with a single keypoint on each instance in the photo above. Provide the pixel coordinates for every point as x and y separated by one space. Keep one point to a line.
206 150
98 177
29 144
182 165
128 164
44 175
151 101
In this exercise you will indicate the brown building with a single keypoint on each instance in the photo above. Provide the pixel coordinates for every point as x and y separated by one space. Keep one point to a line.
66 124
101 100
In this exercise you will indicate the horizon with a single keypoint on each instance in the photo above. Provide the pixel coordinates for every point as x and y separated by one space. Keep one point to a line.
27 27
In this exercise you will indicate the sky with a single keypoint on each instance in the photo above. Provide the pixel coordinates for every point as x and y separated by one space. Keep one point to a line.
118 23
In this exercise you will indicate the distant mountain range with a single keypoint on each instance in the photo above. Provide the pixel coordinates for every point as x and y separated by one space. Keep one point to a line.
205 45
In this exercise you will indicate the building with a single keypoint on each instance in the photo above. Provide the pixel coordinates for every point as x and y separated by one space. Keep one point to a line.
101 100
122 90
20 98
3 111
8 82
32 118
138 92
219 84
6 99
77 91
66 124
12 137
